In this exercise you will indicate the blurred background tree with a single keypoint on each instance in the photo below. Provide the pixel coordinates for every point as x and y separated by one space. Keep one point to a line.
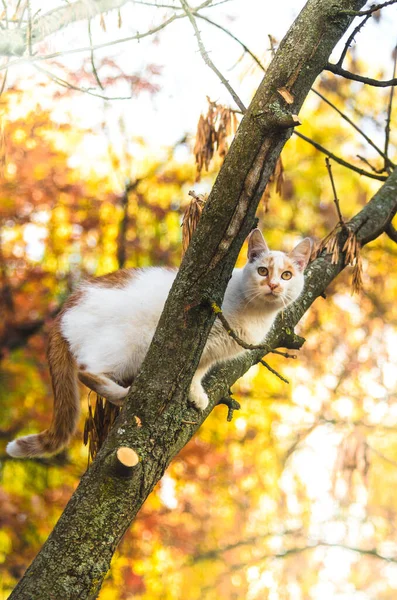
294 498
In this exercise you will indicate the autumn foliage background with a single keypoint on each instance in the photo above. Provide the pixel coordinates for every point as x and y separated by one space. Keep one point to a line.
293 499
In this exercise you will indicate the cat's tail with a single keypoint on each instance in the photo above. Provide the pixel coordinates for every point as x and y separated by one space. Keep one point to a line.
66 403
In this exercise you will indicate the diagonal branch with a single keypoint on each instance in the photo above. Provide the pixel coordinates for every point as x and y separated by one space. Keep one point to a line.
337 70
389 109
14 42
339 160
206 57
360 131
351 38
136 37
230 34
369 11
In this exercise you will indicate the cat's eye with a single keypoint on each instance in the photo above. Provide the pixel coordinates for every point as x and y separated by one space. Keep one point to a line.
263 271
286 275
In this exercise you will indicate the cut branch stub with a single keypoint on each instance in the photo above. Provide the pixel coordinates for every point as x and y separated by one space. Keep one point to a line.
125 459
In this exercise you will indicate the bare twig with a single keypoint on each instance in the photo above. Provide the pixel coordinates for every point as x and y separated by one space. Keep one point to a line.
218 311
336 201
265 364
92 58
337 70
136 37
366 161
389 109
206 57
246 49
29 30
3 83
66 84
5 13
360 131
339 160
285 354
351 38
369 11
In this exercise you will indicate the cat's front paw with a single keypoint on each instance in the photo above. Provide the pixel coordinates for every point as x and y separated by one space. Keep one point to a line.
199 398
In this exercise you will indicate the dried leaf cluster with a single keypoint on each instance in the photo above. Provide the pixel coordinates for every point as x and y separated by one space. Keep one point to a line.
99 421
351 248
191 218
213 131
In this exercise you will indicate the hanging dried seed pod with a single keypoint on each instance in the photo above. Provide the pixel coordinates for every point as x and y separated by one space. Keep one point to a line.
212 134
191 218
352 247
99 421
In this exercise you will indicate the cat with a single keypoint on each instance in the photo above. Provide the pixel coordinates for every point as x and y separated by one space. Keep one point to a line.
105 328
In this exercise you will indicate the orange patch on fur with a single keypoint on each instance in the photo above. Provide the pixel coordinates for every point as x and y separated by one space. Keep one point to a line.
117 279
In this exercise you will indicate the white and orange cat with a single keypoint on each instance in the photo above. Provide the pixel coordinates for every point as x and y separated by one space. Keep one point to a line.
105 328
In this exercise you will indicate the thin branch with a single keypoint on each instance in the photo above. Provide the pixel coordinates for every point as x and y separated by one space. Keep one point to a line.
340 161
250 541
29 30
21 16
340 423
285 354
207 59
389 108
372 9
366 161
14 41
291 552
136 37
301 436
348 120
351 38
245 48
92 58
336 201
337 70
5 13
269 368
3 83
218 312
70 86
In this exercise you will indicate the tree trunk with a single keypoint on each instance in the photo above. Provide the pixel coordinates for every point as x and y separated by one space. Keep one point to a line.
156 419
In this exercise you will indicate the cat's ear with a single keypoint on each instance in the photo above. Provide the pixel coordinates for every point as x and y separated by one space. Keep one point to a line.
301 253
256 245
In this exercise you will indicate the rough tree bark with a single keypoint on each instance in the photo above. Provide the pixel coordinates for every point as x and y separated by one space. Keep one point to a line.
156 419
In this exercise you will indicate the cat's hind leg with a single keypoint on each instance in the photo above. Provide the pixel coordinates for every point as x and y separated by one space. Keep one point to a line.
104 386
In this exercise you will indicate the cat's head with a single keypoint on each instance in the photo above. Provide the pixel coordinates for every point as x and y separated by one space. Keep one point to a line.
272 277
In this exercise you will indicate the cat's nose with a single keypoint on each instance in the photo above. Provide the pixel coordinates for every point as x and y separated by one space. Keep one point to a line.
272 286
